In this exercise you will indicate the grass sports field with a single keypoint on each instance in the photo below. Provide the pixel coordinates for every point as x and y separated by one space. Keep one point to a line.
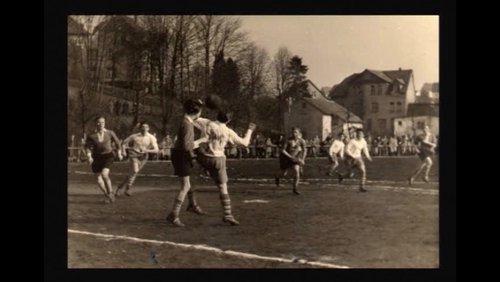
330 225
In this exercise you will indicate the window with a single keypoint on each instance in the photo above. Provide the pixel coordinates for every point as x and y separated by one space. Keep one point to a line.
374 107
391 107
379 89
382 124
372 90
369 124
399 107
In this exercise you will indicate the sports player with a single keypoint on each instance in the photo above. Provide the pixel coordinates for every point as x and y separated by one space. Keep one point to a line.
211 155
354 151
137 146
425 149
100 155
183 157
335 151
292 157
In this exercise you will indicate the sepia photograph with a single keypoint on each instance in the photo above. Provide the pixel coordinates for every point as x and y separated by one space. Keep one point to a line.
253 141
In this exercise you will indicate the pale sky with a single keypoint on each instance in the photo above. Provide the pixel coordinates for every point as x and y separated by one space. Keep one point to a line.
333 47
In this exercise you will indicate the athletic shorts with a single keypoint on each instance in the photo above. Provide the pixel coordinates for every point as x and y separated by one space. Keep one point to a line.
181 160
286 162
352 162
424 153
134 154
102 161
333 158
216 166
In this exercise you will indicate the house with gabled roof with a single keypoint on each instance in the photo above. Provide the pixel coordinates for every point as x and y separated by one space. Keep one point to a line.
318 116
377 97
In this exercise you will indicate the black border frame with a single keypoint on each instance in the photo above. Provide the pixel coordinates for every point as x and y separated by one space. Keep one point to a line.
55 127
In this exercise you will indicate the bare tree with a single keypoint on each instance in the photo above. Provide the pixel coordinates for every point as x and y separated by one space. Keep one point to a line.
281 60
254 71
207 28
159 37
282 77
89 55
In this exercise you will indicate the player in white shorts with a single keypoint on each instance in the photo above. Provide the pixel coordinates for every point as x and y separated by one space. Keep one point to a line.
137 146
335 151
354 150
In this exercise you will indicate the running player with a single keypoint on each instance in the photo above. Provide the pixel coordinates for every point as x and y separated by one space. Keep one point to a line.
292 157
426 148
335 151
100 155
137 146
354 151
212 158
183 157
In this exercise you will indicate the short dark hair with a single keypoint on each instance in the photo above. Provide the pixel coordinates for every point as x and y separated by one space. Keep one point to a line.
98 118
143 123
359 130
340 134
224 116
192 106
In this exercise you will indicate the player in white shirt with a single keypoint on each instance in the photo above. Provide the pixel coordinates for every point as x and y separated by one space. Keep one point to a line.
211 154
354 150
335 151
426 149
137 146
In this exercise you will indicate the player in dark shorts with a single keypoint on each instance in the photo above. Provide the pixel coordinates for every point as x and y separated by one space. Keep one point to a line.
426 147
183 158
292 157
101 155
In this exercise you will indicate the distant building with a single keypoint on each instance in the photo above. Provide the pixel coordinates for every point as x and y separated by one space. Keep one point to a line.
318 116
428 94
414 125
377 97
425 111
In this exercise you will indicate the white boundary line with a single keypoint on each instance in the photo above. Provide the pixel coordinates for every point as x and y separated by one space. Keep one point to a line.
209 249
258 179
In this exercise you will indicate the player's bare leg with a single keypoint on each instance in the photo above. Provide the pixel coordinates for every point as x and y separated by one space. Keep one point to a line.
362 181
102 185
417 172
296 179
193 205
428 166
107 184
281 175
173 216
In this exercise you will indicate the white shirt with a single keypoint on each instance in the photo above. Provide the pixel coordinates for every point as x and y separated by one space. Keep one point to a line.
217 134
337 147
141 142
355 147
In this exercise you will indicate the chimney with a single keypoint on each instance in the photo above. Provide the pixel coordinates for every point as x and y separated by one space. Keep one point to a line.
400 69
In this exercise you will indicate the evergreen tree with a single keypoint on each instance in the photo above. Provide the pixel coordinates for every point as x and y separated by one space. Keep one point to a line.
296 84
